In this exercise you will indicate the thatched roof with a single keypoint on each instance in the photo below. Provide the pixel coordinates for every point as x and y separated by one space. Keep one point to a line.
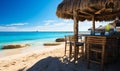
110 9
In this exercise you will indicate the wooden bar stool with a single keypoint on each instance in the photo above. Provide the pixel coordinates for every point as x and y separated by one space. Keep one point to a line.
69 42
96 45
68 46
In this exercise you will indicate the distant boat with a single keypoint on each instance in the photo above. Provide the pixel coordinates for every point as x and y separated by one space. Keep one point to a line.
37 31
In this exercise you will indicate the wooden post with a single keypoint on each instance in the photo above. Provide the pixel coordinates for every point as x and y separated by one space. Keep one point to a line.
75 33
76 29
93 26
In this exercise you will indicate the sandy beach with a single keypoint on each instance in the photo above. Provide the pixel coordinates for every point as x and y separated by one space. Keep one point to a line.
49 59
26 60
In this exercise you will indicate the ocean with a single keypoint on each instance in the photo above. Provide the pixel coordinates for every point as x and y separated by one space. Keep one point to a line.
33 38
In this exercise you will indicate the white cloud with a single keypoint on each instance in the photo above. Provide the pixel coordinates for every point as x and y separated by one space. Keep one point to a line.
51 25
12 27
47 24
66 20
3 28
56 26
66 25
49 21
84 26
17 24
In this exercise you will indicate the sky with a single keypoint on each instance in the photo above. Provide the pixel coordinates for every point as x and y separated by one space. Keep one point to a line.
35 15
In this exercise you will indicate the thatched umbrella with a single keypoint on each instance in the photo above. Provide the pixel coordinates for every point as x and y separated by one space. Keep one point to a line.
95 10
89 9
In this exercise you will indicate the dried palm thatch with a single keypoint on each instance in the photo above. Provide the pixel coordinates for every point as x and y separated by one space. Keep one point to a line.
102 10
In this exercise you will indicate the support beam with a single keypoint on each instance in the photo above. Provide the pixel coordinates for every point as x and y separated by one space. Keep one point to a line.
87 13
75 28
75 34
93 25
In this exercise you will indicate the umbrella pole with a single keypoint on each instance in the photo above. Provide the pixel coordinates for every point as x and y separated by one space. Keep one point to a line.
93 28
75 35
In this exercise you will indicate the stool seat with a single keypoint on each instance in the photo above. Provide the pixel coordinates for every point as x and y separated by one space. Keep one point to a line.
79 43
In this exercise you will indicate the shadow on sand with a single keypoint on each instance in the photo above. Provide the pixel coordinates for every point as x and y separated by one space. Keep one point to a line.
58 64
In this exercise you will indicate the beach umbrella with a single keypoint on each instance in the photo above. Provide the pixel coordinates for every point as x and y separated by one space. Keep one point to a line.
95 10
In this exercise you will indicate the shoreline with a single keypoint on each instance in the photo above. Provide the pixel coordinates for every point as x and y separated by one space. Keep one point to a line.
40 51
10 52
18 61
34 45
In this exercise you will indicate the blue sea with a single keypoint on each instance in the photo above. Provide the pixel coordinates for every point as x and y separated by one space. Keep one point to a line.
30 37
35 39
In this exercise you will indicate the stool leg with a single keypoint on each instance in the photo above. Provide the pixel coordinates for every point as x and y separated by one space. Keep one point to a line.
85 54
102 60
82 51
65 48
77 52
88 65
70 52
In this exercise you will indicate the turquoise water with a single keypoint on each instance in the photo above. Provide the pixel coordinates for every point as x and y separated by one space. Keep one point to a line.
29 37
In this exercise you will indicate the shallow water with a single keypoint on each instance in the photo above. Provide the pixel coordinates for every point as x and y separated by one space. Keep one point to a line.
29 37
35 39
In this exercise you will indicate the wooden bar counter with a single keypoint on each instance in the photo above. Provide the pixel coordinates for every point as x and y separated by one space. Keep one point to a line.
112 45
102 49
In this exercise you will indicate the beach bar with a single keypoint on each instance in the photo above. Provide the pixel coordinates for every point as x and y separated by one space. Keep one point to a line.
93 10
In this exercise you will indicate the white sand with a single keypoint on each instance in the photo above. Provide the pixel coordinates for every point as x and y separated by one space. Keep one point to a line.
48 59
19 61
